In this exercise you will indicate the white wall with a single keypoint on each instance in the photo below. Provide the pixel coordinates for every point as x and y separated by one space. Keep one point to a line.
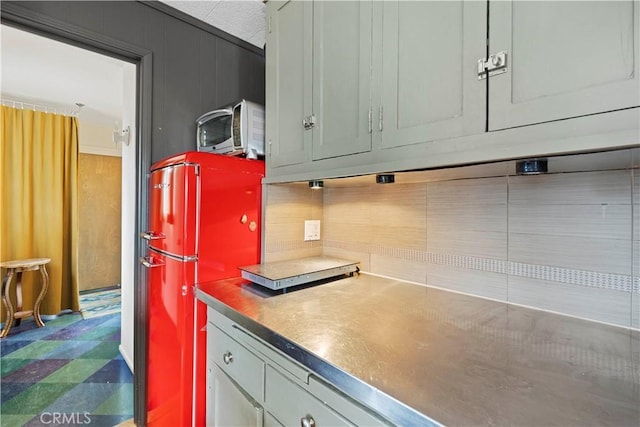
128 214
96 138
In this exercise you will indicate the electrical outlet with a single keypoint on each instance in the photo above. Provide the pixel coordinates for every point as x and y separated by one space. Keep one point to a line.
312 229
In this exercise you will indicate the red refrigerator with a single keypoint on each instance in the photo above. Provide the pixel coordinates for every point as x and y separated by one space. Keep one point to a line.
204 222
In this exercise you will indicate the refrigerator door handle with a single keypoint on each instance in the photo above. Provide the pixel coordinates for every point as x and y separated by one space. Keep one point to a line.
152 235
151 262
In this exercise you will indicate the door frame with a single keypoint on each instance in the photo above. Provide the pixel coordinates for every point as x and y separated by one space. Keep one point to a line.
15 16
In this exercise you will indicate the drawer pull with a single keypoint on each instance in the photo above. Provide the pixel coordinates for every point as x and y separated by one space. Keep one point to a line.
307 421
227 357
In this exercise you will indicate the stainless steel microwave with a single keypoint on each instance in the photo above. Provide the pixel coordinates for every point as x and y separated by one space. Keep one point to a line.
235 130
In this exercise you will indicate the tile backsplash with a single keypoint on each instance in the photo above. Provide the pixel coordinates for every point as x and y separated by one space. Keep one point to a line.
565 242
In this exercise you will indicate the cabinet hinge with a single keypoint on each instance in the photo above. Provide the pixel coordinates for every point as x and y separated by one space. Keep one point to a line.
370 120
269 24
493 65
380 126
309 122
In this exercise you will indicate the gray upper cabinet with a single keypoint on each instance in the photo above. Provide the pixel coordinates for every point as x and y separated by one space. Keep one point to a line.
426 71
341 78
318 72
565 59
288 81
400 85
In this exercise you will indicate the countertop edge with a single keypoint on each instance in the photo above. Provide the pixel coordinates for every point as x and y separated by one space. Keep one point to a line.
369 396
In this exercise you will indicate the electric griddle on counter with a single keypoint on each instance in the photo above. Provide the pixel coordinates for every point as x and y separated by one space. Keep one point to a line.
284 274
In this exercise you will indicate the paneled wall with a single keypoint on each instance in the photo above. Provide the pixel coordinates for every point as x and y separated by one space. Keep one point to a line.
196 67
567 241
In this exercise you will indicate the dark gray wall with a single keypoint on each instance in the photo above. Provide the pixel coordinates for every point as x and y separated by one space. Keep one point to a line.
196 67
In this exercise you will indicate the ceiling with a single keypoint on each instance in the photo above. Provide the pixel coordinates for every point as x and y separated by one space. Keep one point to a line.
245 19
55 75
30 63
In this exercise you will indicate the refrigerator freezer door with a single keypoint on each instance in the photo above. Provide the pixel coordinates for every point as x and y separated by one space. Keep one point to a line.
173 207
229 220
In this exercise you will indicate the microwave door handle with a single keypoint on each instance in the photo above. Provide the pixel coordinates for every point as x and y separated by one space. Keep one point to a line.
213 114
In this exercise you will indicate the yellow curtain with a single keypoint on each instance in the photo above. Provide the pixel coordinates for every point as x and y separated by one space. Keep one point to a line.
38 197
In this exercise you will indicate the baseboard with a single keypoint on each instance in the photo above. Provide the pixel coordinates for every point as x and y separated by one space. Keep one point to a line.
107 288
126 358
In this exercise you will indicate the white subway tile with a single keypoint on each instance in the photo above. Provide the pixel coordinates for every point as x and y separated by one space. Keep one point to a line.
347 232
636 184
596 221
603 305
363 258
399 236
582 253
292 254
635 310
448 218
413 271
580 188
484 244
399 205
475 282
468 192
635 264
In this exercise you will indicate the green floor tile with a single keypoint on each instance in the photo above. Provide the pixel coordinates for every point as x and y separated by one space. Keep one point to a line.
34 399
76 371
9 420
118 403
64 320
35 350
105 350
98 333
9 365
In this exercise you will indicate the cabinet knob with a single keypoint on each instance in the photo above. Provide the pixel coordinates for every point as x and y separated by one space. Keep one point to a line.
227 358
307 421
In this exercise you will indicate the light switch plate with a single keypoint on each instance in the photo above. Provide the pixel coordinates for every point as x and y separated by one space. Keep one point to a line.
311 229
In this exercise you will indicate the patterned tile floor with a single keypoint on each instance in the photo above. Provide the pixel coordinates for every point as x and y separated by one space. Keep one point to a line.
68 373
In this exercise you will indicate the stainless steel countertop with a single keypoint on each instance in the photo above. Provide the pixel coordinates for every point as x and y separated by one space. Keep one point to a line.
418 354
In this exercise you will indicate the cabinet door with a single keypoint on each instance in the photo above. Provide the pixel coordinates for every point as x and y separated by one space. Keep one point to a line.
291 405
288 81
228 404
565 59
341 77
430 89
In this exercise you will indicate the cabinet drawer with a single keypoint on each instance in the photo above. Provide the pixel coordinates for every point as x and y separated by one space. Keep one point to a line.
290 404
344 405
237 361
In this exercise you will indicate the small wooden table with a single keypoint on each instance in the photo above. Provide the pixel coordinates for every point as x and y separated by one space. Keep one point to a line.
18 267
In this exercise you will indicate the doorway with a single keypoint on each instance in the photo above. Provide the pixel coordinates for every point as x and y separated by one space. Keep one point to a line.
103 159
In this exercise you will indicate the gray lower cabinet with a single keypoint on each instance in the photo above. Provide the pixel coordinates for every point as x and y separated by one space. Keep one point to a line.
304 410
231 406
366 87
250 383
233 386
